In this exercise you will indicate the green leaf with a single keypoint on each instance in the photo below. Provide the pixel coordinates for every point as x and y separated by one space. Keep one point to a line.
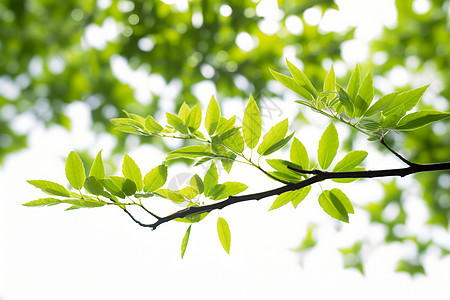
185 241
346 101
298 154
354 83
183 113
328 146
89 203
191 152
227 163
252 125
197 184
226 189
420 119
155 179
152 126
365 95
295 197
194 118
350 161
273 136
93 186
329 85
381 104
50 187
212 116
336 204
137 118
111 186
171 195
291 84
176 123
131 171
129 187
97 169
281 166
234 140
128 122
223 231
225 125
43 202
301 79
279 145
211 179
405 101
75 171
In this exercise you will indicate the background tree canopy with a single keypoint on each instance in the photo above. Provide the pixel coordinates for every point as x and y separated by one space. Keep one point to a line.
142 56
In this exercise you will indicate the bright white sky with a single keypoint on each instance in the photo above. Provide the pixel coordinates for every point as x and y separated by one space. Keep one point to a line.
101 254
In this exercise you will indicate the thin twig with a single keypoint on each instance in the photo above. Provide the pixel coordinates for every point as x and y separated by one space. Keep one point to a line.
409 163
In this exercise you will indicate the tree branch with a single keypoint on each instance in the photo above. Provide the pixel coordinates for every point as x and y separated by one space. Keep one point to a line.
318 177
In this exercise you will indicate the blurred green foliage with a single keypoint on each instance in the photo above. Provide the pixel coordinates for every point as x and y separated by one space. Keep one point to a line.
47 62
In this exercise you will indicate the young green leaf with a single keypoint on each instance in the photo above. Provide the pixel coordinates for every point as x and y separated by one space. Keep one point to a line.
420 119
354 83
336 204
129 187
381 104
365 95
227 163
197 184
50 187
405 101
329 85
177 123
191 152
111 186
97 169
137 118
226 189
127 122
346 101
185 241
152 126
291 84
223 231
252 125
277 146
295 197
43 202
194 118
350 161
131 171
171 195
233 140
211 179
225 125
89 203
155 179
183 113
299 155
273 136
212 116
75 171
93 186
301 79
328 146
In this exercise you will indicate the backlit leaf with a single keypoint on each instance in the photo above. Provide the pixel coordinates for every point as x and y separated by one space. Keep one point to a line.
233 141
291 84
212 116
176 123
185 241
75 171
50 187
298 154
354 83
93 186
420 119
223 230
329 85
211 179
43 202
111 187
350 161
84 203
171 195
336 204
195 118
226 189
328 146
295 197
131 171
152 126
191 152
155 179
381 103
183 113
346 101
252 125
301 79
225 125
365 96
273 136
97 169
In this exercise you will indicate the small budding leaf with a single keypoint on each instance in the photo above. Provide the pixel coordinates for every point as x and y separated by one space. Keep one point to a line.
185 241
252 124
223 231
155 179
329 85
132 172
183 113
97 169
301 79
291 84
212 117
328 146
354 83
75 171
